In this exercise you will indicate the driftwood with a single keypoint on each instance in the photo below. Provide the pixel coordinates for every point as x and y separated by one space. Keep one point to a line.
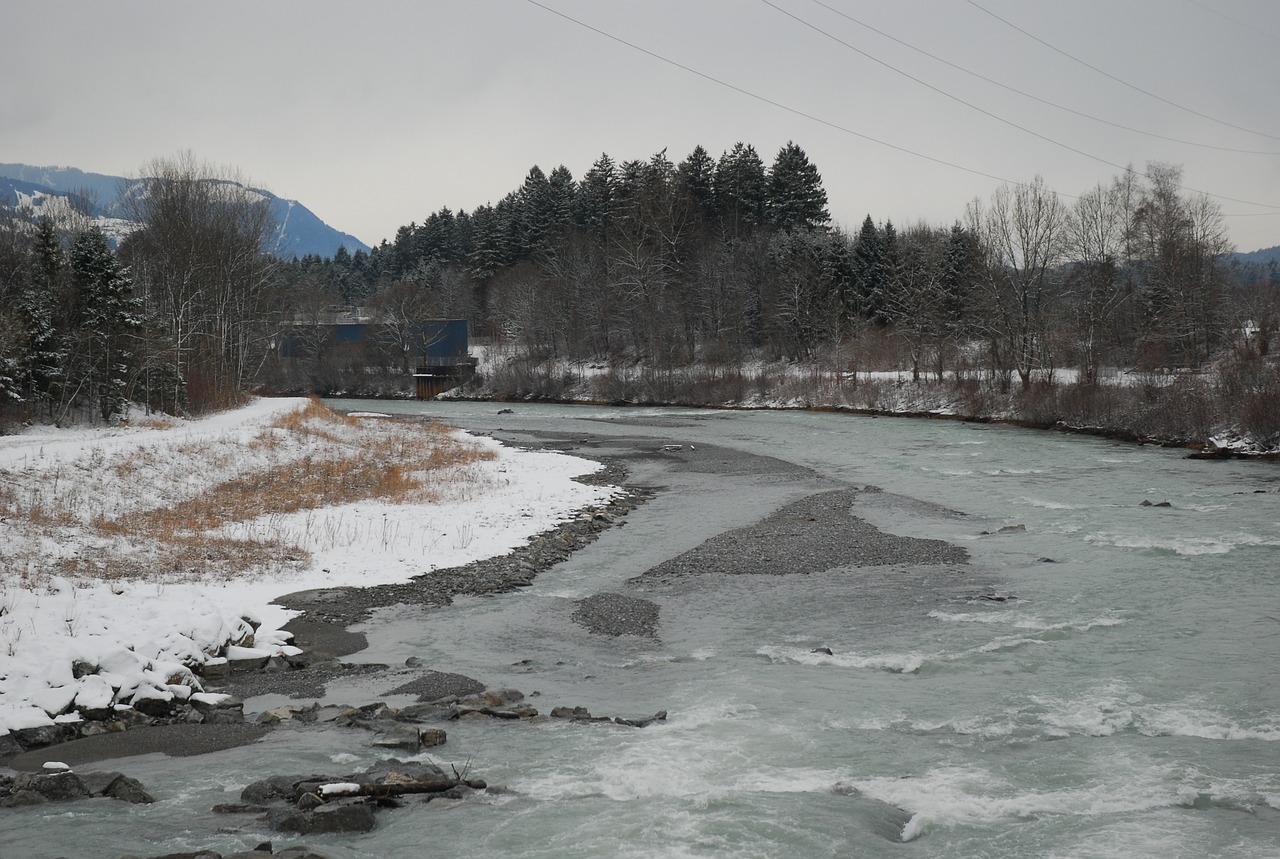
393 789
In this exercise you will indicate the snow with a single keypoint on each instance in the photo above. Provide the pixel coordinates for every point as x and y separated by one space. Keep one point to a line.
339 787
135 638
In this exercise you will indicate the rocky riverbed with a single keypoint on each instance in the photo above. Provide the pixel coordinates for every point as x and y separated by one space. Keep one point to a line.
811 535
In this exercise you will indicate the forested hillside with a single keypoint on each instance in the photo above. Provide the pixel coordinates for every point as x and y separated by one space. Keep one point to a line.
672 280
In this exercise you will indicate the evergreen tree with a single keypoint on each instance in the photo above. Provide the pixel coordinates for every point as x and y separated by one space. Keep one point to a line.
561 198
597 194
696 174
868 286
740 189
534 212
42 366
796 199
110 319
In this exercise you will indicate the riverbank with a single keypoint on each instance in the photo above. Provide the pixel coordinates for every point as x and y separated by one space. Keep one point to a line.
95 618
1227 412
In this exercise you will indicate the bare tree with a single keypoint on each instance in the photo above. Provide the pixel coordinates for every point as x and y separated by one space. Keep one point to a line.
199 260
1023 235
1095 242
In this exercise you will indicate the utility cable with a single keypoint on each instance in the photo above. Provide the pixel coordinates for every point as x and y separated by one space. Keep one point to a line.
988 113
769 101
836 126
1241 24
1034 97
1118 80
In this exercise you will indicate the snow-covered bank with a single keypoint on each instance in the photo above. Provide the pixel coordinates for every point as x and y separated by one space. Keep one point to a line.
1225 409
71 642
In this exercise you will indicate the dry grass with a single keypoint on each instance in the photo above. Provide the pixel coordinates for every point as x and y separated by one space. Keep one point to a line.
165 510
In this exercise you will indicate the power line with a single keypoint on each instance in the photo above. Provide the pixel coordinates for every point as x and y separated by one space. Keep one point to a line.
1245 26
766 100
1034 97
988 113
842 128
1118 80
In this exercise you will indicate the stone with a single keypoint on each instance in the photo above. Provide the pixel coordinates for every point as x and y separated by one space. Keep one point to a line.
309 802
55 787
130 790
660 716
277 788
399 737
333 818
826 651
155 707
217 671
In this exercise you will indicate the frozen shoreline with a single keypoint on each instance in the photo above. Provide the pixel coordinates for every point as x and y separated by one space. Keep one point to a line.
83 645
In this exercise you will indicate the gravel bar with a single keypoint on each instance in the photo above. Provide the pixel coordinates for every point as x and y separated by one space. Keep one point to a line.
811 535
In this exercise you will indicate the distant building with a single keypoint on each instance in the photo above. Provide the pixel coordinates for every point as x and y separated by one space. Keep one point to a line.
433 351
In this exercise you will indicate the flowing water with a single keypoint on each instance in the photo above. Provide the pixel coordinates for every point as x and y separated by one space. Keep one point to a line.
1104 683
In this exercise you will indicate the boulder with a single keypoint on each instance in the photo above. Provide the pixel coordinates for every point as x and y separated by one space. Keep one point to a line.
334 817
128 789
55 787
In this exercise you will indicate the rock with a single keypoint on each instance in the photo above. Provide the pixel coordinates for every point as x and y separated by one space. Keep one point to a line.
20 798
277 788
1012 529
216 670
154 706
45 735
429 738
128 789
823 650
309 802
404 737
55 787
1146 503
334 817
356 717
506 411
238 808
660 716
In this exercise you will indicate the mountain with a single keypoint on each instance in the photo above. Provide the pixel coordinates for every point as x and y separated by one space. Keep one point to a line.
1263 256
300 231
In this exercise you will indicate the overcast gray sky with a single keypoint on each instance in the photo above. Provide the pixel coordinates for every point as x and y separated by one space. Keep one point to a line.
376 114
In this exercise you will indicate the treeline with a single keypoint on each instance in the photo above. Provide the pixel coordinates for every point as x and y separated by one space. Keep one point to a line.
708 262
721 260
179 318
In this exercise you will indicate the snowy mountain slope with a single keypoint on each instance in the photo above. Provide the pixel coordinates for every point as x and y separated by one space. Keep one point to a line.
300 231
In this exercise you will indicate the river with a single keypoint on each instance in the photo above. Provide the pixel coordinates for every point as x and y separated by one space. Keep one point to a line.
1102 679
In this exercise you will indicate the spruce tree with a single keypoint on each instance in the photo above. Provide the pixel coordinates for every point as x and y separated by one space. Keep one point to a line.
41 368
110 320
740 189
696 174
796 199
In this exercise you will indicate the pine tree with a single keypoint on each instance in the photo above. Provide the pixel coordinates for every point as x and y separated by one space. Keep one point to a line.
534 212
740 189
796 199
697 174
561 198
597 195
868 298
110 320
42 366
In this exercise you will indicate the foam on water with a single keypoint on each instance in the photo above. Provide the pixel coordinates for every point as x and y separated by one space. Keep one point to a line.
951 796
1109 710
1184 546
897 663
